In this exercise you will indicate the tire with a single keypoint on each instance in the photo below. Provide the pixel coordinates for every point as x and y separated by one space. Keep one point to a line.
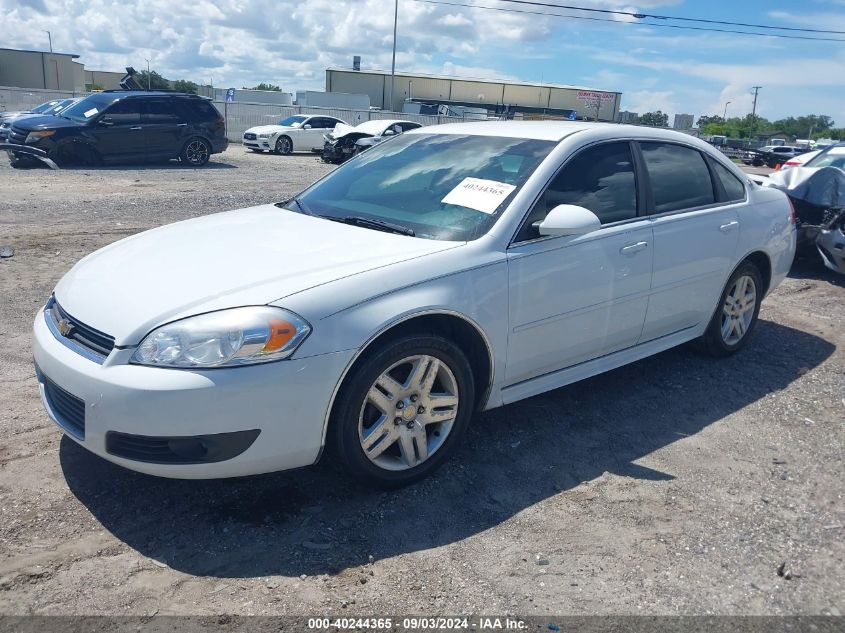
407 438
76 155
735 317
196 152
284 145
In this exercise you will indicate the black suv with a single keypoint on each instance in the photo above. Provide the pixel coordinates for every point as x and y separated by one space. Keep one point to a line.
125 126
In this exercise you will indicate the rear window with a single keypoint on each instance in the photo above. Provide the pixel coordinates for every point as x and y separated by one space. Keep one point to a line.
679 177
201 109
734 189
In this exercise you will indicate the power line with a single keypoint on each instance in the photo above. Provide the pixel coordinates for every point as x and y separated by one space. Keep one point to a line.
649 24
668 17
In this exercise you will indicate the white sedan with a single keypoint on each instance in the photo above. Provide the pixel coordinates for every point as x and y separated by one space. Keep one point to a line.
455 269
297 133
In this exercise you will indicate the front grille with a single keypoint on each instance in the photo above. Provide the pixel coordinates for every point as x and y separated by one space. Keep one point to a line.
68 409
81 334
17 135
250 136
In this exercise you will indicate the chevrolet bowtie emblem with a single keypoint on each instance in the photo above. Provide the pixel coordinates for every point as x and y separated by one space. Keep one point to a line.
65 327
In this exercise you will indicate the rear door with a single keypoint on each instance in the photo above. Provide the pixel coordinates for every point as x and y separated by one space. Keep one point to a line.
119 132
696 232
164 124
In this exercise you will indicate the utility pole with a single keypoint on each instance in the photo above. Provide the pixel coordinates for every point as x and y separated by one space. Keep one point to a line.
754 109
148 74
725 115
50 38
393 63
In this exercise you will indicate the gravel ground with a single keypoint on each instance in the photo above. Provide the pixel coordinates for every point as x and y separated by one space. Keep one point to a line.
677 485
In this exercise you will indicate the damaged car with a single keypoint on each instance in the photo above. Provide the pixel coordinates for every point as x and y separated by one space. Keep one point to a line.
817 192
345 140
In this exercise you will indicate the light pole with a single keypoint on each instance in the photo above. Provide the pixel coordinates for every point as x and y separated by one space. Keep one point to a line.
148 74
754 108
393 63
50 38
725 115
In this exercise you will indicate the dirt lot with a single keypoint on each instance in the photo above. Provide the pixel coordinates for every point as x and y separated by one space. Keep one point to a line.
678 485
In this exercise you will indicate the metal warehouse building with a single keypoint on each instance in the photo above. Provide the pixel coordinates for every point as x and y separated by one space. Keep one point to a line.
526 99
42 70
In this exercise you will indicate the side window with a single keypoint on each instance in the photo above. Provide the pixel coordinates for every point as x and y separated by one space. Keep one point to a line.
600 179
733 186
124 112
161 111
200 110
679 177
320 122
409 126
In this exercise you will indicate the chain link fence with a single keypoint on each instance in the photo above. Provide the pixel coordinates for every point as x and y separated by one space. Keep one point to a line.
239 116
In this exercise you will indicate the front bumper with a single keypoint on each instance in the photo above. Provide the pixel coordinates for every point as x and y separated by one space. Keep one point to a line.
287 401
257 143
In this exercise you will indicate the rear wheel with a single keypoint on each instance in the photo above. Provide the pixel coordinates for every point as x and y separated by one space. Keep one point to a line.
284 145
196 152
401 412
736 316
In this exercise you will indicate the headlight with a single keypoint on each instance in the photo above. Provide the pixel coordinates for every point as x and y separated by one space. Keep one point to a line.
34 136
263 136
228 338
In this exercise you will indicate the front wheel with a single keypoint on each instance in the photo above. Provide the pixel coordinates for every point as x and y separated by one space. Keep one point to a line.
402 411
736 316
195 153
284 145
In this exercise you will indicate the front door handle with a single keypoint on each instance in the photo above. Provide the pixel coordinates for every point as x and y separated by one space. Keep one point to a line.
181 125
730 226
135 127
633 248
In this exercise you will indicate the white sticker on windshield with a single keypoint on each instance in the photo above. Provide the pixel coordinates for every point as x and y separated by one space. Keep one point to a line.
90 113
478 194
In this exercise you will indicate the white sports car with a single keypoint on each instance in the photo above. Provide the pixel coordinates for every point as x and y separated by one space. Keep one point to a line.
453 269
297 133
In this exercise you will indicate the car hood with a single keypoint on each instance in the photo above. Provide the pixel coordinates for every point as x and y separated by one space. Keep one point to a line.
246 257
44 122
342 129
272 129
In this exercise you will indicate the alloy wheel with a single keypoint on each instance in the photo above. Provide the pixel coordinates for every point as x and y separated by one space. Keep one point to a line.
196 152
738 309
408 413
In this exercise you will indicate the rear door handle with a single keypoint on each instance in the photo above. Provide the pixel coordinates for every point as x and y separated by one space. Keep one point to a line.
730 226
633 248
181 125
136 127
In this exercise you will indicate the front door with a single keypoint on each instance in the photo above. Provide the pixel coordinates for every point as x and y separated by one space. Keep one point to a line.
119 132
575 298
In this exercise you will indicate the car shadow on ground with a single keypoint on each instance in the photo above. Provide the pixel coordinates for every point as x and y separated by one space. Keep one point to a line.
156 166
810 266
314 521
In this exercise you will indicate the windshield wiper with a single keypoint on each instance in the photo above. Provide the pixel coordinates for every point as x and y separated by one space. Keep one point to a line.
303 208
379 225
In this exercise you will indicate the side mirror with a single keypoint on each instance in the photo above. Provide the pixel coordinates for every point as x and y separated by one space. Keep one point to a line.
389 133
307 126
568 219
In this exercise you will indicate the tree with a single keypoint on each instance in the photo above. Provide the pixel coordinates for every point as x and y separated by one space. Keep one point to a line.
156 81
805 126
655 119
183 85
263 86
710 120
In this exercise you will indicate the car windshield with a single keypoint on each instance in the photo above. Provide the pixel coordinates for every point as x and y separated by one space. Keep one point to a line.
440 186
85 110
834 157
293 121
43 107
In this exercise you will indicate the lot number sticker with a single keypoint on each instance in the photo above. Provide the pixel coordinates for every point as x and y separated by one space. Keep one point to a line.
481 195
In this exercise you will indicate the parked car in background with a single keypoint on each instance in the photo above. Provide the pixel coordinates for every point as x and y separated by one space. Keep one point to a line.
801 159
345 140
771 155
124 126
454 269
297 133
39 109
53 110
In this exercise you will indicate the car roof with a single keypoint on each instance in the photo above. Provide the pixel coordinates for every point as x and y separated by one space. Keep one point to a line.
149 93
377 124
552 130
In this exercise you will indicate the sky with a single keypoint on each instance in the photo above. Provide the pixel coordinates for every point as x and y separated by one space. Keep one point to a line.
236 43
